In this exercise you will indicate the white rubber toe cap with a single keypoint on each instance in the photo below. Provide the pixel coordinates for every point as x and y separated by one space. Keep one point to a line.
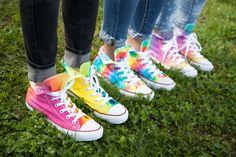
117 114
117 110
90 126
204 65
166 81
189 71
145 90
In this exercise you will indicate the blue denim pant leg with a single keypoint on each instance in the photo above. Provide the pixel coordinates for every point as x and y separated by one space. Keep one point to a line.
164 22
144 18
187 12
116 20
197 7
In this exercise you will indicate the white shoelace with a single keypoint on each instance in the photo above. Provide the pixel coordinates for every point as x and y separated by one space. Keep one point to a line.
170 49
66 101
123 66
149 65
192 44
95 86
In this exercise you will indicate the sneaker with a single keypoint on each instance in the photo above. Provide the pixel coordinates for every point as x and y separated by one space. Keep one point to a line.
166 53
141 63
87 88
120 75
190 48
50 98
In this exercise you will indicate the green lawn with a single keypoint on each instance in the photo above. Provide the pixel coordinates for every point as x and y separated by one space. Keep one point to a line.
197 118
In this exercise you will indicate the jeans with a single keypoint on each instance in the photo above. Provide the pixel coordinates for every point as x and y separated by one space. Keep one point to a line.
137 15
144 18
178 13
116 20
39 25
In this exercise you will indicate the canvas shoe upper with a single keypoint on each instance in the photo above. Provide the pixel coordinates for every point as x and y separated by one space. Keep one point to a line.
87 88
118 73
190 48
141 63
50 98
166 52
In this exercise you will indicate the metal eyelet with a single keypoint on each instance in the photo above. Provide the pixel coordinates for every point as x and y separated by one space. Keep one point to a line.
73 122
61 111
67 117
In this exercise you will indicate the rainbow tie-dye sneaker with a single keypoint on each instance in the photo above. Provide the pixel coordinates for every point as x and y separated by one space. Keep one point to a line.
190 48
141 63
50 98
119 73
87 88
166 53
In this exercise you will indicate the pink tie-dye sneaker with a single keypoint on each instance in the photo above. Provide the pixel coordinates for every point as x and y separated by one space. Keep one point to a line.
166 53
50 98
190 48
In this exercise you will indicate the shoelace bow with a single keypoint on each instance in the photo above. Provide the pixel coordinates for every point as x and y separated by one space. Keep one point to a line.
170 49
192 44
147 62
66 101
123 67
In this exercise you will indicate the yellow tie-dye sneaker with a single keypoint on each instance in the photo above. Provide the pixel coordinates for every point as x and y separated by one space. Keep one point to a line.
87 88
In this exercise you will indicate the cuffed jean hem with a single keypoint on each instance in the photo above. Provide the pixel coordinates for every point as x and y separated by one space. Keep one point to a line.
111 40
79 52
75 60
39 75
136 35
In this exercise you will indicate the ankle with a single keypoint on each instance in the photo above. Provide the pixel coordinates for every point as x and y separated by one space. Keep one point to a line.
135 43
109 50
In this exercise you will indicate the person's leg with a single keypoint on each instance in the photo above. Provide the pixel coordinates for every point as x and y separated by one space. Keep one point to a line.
163 47
140 30
195 12
143 21
164 24
117 17
188 43
80 22
182 13
47 93
111 62
39 25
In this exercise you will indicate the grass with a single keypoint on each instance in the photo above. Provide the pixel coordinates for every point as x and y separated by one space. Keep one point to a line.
197 118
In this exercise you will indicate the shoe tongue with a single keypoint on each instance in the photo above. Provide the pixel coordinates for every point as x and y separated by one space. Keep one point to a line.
56 82
188 29
121 53
145 45
85 69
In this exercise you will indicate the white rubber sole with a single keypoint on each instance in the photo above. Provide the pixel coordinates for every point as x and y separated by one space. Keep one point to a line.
112 118
149 96
202 67
192 73
77 135
158 85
